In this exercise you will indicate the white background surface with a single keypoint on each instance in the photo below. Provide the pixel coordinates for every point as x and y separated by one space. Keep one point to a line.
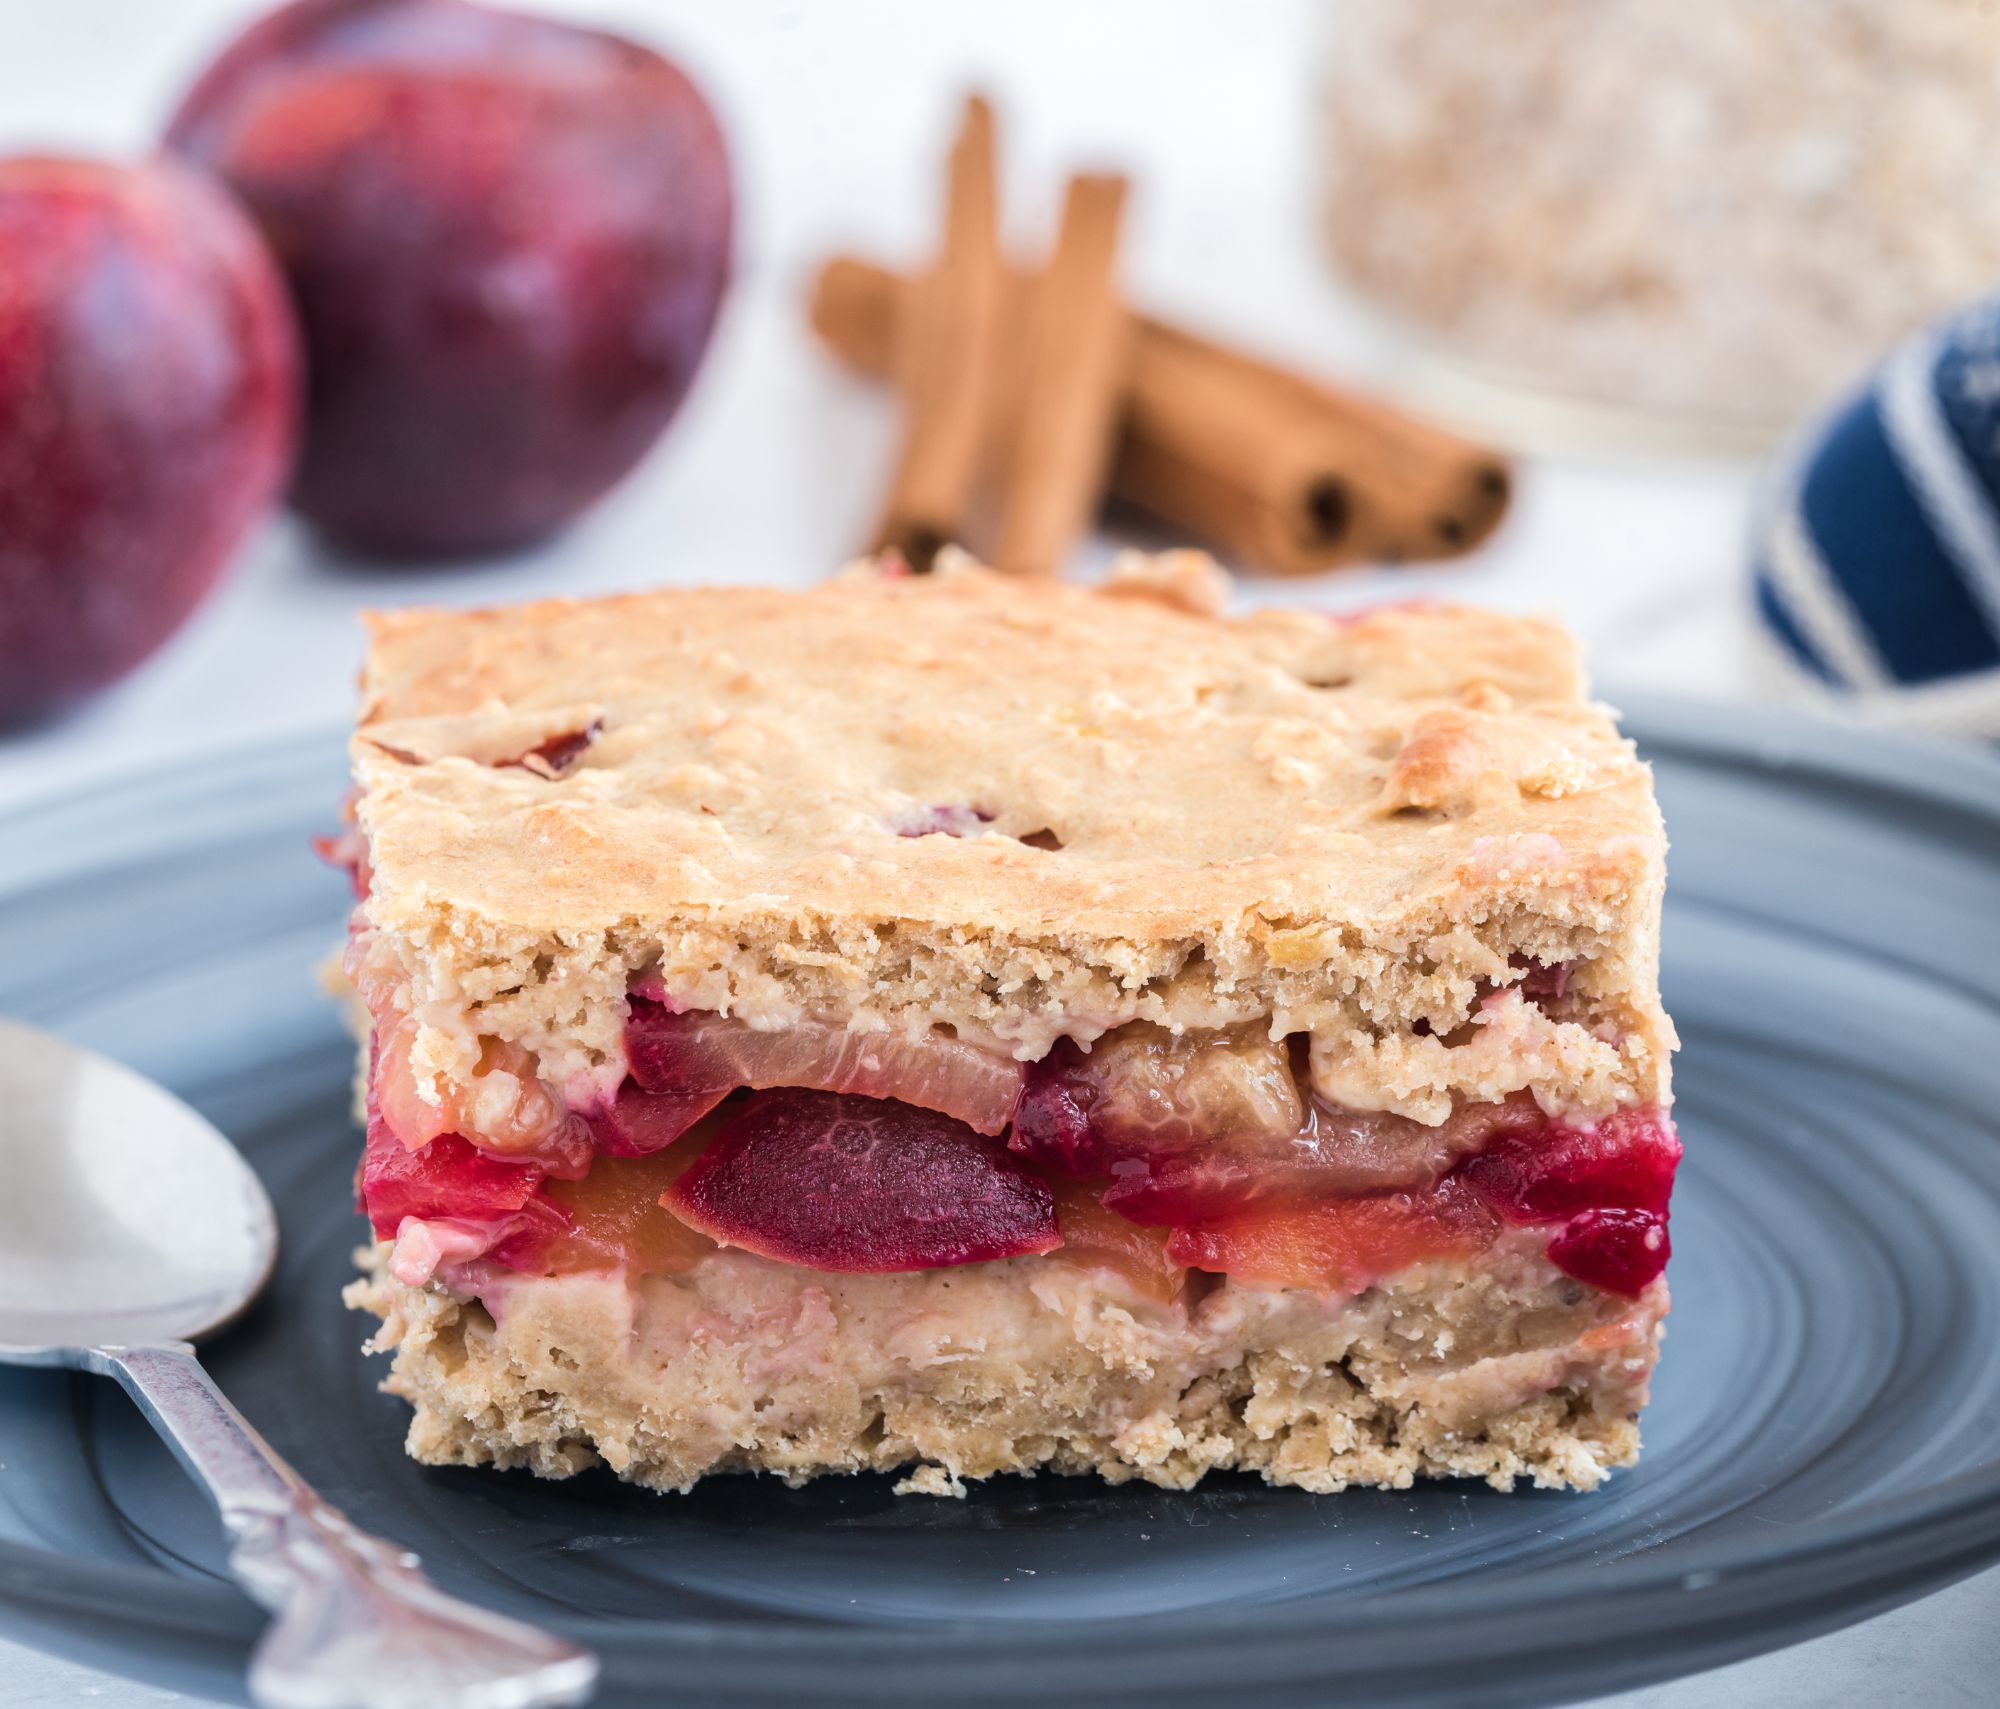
838 115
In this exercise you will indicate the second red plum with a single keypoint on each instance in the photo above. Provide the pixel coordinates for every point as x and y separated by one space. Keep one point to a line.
508 239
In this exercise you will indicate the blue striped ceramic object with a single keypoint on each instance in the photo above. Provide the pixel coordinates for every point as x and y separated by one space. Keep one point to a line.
1877 544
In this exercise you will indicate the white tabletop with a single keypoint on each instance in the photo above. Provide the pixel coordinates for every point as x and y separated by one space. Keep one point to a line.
837 117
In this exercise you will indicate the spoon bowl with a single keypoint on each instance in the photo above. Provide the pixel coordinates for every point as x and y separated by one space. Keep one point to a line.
129 1228
125 1218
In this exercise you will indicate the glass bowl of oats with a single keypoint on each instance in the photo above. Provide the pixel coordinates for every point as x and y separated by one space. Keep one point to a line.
1685 223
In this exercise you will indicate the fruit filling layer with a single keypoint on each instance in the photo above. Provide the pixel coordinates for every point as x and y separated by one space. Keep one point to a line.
1151 1154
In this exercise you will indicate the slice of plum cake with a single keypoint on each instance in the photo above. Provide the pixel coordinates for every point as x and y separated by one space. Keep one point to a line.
966 1026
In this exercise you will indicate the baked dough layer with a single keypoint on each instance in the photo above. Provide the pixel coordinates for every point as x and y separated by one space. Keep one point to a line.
1503 1370
1355 829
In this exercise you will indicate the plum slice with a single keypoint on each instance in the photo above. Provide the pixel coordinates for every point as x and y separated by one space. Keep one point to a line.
1213 1136
1144 1095
1203 1127
695 1052
1096 1238
445 1177
448 1201
1343 1244
841 1182
1337 1153
1608 1185
1626 1161
637 1123
613 1220
1613 1248
1605 1188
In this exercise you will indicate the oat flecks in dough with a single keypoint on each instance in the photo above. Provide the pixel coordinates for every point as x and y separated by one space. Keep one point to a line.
1506 1372
1350 828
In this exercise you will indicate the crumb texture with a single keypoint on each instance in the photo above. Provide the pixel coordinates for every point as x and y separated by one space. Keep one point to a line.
1019 811
1505 1372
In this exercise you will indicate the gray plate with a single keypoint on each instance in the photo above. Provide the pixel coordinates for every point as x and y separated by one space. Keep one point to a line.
1824 1442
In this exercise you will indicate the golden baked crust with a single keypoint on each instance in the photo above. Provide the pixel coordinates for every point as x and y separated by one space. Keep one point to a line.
1355 829
1502 1370
761 749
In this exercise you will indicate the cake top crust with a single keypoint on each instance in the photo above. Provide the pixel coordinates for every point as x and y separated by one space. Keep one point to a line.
967 750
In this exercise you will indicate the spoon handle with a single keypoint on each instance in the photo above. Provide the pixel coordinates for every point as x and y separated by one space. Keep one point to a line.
358 1625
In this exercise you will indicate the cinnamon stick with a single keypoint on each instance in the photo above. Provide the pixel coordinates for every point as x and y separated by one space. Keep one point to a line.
1281 472
943 352
1078 338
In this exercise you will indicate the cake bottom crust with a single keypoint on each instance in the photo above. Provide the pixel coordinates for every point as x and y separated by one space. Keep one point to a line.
1502 1370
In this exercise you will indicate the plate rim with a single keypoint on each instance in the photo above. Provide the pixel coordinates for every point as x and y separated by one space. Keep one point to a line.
1866 1559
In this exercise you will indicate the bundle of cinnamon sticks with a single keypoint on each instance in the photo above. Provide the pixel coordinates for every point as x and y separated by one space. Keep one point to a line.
1028 394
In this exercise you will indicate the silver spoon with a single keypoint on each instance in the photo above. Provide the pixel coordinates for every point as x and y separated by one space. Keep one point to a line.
130 1228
